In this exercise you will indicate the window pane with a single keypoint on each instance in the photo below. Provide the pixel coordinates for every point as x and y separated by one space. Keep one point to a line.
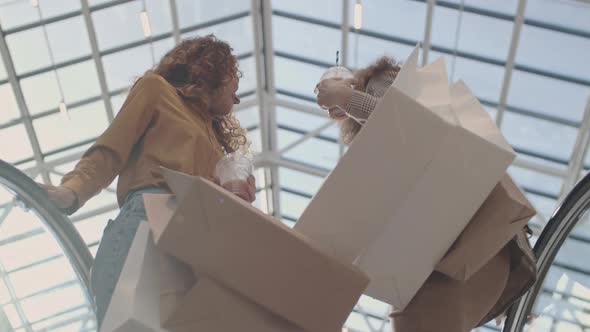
104 198
121 24
572 14
162 47
4 295
478 34
483 79
79 81
24 252
505 7
256 138
327 10
293 205
85 122
238 33
68 39
97 2
18 13
544 206
547 96
248 81
58 7
292 36
400 18
567 54
41 92
300 101
19 147
49 304
68 153
192 12
558 165
8 104
363 50
28 50
91 229
248 117
13 316
301 121
314 151
539 135
27 281
297 77
122 68
81 318
160 16
299 181
17 222
118 25
535 180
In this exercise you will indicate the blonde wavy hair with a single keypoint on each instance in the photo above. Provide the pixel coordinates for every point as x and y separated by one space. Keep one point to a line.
198 68
350 127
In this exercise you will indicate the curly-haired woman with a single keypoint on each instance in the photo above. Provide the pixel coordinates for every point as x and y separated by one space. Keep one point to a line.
177 115
443 303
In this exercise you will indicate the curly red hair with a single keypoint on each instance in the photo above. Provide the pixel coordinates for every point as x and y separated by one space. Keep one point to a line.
198 67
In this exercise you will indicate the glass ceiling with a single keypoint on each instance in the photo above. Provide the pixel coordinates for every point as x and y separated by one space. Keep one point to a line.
527 61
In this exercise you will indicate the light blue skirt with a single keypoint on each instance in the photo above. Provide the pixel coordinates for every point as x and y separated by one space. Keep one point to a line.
114 246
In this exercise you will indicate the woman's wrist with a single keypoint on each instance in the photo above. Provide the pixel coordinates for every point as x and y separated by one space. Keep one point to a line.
347 92
75 203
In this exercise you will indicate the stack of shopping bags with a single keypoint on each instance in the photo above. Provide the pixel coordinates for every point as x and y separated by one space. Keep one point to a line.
428 165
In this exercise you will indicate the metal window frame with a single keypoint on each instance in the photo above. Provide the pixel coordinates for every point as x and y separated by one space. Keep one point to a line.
268 97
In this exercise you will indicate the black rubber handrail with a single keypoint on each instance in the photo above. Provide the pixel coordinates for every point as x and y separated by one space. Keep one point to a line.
62 229
557 230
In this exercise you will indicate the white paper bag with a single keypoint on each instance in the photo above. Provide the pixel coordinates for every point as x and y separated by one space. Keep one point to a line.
135 305
409 184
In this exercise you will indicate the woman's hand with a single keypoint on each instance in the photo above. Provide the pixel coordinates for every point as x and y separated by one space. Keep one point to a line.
244 190
334 92
61 196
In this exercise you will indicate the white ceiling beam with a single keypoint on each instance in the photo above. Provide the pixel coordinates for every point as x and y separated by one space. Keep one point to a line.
301 107
540 168
427 31
269 104
344 33
307 136
22 106
262 96
579 152
104 90
510 61
175 22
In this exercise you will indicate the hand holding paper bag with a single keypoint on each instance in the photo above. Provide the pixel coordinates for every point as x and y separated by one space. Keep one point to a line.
154 291
241 248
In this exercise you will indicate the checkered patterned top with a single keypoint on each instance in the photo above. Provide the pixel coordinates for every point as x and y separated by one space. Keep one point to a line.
361 103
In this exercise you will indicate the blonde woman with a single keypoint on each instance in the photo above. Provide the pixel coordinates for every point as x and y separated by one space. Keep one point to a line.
442 304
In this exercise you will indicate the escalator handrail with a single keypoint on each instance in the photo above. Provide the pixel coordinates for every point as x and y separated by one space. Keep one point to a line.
56 223
554 234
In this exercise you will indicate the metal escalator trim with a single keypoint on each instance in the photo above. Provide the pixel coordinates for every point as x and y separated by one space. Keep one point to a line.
56 223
